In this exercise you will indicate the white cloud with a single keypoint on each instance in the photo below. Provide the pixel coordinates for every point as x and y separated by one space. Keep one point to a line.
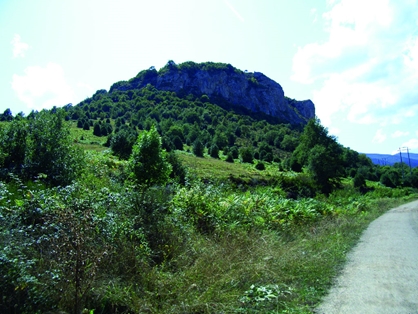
379 137
19 47
398 133
368 67
411 144
43 87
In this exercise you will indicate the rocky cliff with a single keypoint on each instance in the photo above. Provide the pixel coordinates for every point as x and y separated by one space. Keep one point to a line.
223 83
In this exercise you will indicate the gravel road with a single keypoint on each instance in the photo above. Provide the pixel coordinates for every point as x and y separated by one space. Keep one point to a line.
381 274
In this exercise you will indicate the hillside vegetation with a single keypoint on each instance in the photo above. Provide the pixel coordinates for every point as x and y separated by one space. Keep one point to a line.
145 201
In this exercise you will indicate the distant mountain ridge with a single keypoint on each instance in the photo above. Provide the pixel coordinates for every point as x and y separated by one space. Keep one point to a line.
226 86
389 160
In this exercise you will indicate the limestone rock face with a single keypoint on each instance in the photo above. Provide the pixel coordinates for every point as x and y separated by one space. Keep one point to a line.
224 83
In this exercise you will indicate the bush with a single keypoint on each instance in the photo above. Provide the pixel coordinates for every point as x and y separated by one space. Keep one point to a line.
178 143
234 151
96 129
198 148
179 171
122 142
246 154
148 162
214 151
41 145
229 157
359 181
260 166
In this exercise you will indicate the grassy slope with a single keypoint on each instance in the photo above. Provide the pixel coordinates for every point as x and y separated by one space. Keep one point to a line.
86 139
218 169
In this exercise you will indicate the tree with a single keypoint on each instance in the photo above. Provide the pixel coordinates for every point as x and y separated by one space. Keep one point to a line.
359 182
179 172
13 142
148 163
246 154
41 144
7 115
198 148
86 126
122 142
321 155
96 130
288 143
220 140
214 151
391 177
177 142
234 152
50 150
229 157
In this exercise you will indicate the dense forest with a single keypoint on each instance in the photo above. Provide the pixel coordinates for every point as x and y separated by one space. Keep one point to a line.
149 201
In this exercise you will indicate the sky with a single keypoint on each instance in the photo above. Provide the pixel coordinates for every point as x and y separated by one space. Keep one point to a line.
357 60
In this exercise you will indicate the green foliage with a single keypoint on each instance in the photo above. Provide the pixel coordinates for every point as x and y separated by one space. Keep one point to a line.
6 115
179 171
148 162
359 181
41 145
101 244
122 142
234 152
97 130
390 178
229 157
50 150
13 145
246 154
214 151
260 166
321 155
59 243
86 126
198 148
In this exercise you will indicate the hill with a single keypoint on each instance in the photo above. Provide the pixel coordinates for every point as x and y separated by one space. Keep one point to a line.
226 86
390 160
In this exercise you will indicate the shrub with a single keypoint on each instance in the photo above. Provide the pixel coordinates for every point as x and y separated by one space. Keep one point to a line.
179 171
214 151
122 142
198 148
359 181
96 129
229 157
41 144
148 162
260 166
246 154
234 152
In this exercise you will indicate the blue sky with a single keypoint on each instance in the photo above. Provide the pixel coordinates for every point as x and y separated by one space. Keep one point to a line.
357 60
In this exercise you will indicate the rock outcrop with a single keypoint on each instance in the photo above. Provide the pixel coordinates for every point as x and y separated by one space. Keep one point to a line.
223 83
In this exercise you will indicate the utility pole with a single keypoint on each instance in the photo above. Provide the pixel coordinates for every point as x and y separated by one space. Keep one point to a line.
400 154
409 161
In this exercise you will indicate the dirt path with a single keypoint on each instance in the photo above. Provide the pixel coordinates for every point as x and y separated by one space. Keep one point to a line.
381 275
